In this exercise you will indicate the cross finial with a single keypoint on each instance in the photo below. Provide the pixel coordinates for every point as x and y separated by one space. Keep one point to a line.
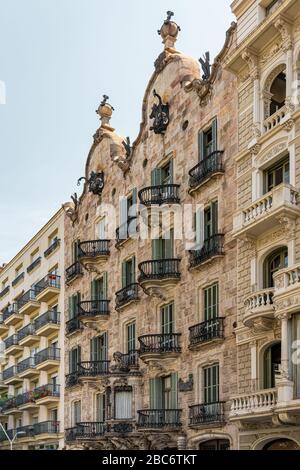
105 98
169 15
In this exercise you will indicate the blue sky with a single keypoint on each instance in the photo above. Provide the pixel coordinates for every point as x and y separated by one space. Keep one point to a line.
57 59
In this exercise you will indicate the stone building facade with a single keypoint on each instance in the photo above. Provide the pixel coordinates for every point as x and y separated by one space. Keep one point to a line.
32 342
266 224
150 323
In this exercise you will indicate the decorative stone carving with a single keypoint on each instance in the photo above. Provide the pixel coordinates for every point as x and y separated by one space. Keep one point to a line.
186 386
271 52
160 114
71 208
288 226
95 182
205 65
169 31
285 31
251 60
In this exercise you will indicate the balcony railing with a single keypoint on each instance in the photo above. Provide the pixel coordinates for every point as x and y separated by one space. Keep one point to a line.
11 341
275 119
130 360
263 400
93 308
4 292
158 419
18 279
213 246
51 280
126 230
49 390
1 319
10 372
206 168
159 344
29 296
259 301
28 363
93 368
72 379
10 310
73 271
93 249
27 330
8 404
48 354
159 269
52 247
46 427
207 331
87 430
51 316
73 325
24 399
34 264
127 294
207 413
158 195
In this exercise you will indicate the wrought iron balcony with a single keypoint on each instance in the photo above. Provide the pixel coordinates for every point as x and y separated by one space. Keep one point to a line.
27 431
52 248
206 168
159 269
159 195
160 344
158 419
129 361
24 399
213 246
73 325
27 330
34 264
46 427
48 354
86 430
72 379
93 249
126 230
50 317
93 308
127 294
73 271
28 363
29 296
48 390
3 327
11 341
10 310
18 279
4 292
51 280
9 372
8 404
207 413
3 437
93 368
207 331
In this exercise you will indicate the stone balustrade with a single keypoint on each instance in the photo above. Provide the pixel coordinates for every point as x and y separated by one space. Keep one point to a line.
261 401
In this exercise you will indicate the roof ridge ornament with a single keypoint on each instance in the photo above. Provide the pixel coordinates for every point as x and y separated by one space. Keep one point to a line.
105 111
169 32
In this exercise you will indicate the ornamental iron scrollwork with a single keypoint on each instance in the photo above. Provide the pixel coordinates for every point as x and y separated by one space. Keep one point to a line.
206 67
160 114
95 182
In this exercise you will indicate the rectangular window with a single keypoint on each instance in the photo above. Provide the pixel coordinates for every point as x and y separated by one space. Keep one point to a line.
164 392
211 220
76 414
53 238
211 384
163 248
34 255
208 141
74 359
128 272
19 270
101 229
100 408
75 251
74 301
131 346
273 5
277 174
123 405
167 319
99 348
162 175
211 302
99 288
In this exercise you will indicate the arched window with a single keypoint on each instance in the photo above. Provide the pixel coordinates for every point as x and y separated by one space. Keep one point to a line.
273 263
278 93
215 444
272 361
281 444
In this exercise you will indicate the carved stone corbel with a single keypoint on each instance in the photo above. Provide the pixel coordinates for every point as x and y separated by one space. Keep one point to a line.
285 31
252 62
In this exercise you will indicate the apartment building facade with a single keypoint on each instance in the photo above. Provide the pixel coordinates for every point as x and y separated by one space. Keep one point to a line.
266 224
150 347
32 342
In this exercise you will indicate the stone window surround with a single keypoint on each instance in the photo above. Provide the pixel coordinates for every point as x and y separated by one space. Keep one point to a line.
257 360
200 298
199 383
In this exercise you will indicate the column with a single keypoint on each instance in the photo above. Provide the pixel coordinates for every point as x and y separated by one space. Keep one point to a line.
284 385
289 75
254 378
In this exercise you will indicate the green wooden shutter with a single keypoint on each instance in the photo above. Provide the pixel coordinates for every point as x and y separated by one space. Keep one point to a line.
133 270
169 245
104 347
214 135
171 171
201 150
70 308
78 353
70 362
214 216
156 177
174 391
155 388
93 356
157 249
105 287
123 210
93 290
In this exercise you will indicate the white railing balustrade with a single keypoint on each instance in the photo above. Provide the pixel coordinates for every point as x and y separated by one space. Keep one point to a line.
275 119
258 401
